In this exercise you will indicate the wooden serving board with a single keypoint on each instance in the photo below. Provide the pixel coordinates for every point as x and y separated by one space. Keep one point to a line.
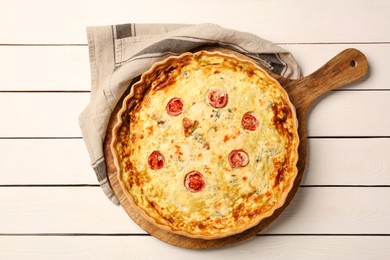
346 67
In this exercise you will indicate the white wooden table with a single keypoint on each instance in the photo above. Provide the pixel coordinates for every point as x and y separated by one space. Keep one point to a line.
51 206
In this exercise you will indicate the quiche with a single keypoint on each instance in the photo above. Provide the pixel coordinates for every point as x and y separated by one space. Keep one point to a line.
206 145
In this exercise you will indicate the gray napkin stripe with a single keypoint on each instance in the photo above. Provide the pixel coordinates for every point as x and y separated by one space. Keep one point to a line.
264 58
180 44
168 45
100 169
125 30
151 56
101 174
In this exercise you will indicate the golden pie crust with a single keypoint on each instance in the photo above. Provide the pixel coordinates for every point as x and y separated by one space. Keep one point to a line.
206 145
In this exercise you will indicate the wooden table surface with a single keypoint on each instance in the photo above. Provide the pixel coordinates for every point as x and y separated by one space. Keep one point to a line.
51 206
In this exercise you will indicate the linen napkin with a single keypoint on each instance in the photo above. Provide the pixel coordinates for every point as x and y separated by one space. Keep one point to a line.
119 53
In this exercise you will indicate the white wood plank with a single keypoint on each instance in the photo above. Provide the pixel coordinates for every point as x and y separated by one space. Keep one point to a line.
350 114
41 114
44 68
65 161
335 211
67 68
87 210
48 21
45 161
61 210
56 114
348 162
279 247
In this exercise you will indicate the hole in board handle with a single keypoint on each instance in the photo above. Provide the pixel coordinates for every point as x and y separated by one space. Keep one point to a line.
353 63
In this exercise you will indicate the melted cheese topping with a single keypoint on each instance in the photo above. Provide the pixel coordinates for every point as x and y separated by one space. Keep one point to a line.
233 199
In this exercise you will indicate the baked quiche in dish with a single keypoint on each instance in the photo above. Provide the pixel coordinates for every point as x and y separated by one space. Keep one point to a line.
206 145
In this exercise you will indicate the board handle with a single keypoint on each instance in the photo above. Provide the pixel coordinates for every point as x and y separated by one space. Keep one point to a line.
345 68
